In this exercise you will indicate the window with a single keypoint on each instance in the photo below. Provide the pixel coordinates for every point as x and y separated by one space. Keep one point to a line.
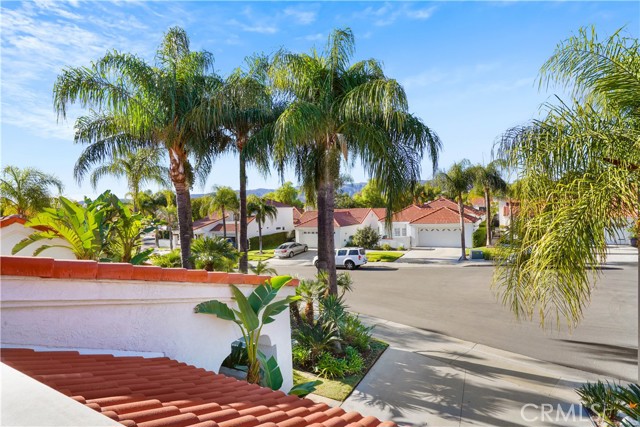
353 252
362 252
396 232
404 232
342 252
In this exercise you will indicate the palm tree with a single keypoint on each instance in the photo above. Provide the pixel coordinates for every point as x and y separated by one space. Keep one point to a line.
579 170
168 215
457 181
138 105
262 268
138 167
26 192
244 108
261 210
223 200
214 253
489 179
345 111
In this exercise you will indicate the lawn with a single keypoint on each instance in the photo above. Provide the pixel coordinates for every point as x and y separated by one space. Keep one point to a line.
488 253
257 256
340 389
383 256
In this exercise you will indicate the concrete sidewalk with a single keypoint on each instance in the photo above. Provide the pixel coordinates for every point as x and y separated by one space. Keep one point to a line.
428 379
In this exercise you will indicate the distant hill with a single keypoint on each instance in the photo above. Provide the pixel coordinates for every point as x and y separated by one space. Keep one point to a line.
350 189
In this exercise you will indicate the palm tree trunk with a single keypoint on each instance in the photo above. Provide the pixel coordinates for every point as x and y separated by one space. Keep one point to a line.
328 192
177 171
259 235
235 221
224 224
487 204
295 312
243 264
461 212
170 231
321 202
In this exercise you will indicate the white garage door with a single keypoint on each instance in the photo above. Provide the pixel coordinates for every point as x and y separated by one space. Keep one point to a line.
309 238
445 237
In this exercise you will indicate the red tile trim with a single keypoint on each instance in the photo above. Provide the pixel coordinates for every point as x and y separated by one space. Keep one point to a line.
81 269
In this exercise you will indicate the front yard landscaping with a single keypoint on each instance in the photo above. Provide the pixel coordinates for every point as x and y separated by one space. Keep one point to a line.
383 256
257 256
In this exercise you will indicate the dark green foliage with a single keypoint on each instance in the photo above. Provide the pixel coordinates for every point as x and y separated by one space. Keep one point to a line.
168 260
354 333
331 367
355 362
480 235
214 254
628 400
317 338
600 398
386 247
366 237
269 241
301 390
238 358
301 355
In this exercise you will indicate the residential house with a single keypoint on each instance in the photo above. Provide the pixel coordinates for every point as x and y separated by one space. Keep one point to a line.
212 225
110 344
13 230
433 224
506 209
345 222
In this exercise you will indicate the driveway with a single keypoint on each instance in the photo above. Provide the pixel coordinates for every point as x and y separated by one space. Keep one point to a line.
431 256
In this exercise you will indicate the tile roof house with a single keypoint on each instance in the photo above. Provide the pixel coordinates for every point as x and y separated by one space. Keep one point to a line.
212 224
345 221
433 224
124 341
13 230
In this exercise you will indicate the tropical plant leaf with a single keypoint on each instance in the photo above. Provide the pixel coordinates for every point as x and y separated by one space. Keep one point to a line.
141 257
270 374
247 316
301 390
278 281
261 296
276 308
216 308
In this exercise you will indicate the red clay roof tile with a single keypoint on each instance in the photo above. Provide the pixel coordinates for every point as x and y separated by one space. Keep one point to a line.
160 392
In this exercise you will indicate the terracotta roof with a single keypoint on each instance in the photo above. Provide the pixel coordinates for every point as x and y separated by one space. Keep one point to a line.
341 217
297 213
208 220
381 213
77 269
477 201
278 204
410 213
443 215
231 228
6 221
444 202
161 392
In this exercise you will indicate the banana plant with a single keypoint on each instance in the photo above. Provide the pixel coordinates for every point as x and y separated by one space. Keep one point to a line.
252 314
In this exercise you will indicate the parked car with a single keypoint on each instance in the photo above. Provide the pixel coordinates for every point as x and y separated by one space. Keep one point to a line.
348 258
288 250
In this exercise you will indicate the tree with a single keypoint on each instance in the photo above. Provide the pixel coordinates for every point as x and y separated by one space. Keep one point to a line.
370 196
457 181
27 191
214 254
345 111
424 193
137 105
224 199
286 194
138 167
244 108
125 232
489 179
579 177
261 210
168 215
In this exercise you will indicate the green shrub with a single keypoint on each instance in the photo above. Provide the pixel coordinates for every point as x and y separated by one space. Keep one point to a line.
600 398
301 356
354 333
168 260
366 237
238 358
270 241
355 362
214 254
386 247
317 338
330 367
480 235
400 248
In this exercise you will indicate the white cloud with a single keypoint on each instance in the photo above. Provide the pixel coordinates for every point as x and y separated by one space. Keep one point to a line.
389 13
303 17
315 37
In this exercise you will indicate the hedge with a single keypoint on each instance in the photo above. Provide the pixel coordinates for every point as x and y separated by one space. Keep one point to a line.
480 235
270 241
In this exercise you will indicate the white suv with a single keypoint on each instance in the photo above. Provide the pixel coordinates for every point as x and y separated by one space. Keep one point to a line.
348 258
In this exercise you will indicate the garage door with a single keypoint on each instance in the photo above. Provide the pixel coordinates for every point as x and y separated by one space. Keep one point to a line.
309 238
446 237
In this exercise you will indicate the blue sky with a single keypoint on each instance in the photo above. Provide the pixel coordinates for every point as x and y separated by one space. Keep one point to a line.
469 68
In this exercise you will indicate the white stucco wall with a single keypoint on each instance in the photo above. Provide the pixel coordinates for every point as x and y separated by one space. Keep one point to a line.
11 234
131 316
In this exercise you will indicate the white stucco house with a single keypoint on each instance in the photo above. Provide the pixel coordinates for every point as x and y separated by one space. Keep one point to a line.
212 224
433 224
345 222
13 230
506 209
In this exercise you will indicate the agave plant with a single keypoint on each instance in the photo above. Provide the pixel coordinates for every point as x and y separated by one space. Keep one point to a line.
252 314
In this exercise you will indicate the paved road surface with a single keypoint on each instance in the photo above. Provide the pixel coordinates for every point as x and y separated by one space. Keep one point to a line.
457 301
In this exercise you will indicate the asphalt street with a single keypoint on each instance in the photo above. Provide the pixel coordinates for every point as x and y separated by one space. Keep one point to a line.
458 302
